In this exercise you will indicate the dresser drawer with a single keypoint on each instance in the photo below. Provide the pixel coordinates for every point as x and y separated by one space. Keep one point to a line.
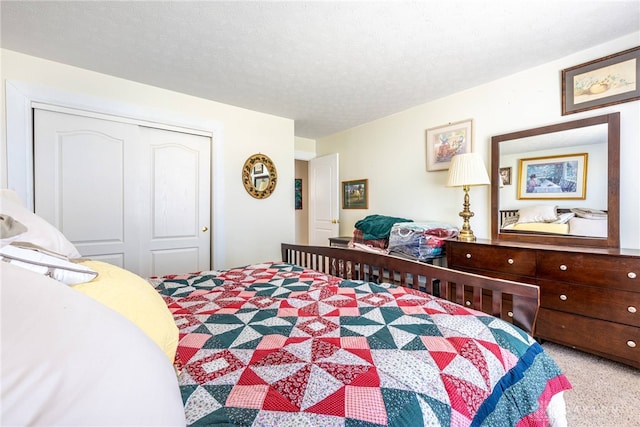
590 269
613 305
513 261
611 340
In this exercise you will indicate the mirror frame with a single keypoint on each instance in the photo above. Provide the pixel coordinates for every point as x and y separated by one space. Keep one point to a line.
246 176
613 172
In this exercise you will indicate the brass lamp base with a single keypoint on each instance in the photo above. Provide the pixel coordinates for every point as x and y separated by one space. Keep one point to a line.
466 237
466 234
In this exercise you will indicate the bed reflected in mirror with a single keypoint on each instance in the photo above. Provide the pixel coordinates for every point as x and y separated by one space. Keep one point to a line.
564 184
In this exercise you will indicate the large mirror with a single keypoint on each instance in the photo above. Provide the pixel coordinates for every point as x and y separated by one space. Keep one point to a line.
558 184
259 176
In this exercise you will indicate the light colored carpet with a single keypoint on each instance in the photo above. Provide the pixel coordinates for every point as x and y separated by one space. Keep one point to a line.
605 393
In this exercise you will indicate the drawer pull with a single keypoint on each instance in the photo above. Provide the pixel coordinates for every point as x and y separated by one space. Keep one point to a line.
510 261
563 297
563 267
510 313
631 309
631 344
631 275
467 303
468 256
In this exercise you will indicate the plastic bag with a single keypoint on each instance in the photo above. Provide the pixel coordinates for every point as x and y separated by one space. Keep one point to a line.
420 240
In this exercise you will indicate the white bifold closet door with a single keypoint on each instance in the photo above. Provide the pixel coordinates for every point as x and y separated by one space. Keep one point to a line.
134 196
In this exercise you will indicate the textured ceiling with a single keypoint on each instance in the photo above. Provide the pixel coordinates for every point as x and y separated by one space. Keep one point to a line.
329 66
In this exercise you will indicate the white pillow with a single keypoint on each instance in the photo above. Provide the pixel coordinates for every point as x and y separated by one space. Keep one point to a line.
589 213
39 231
540 213
49 264
67 360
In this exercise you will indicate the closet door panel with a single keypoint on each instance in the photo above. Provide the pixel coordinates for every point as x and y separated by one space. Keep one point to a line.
175 174
80 182
130 195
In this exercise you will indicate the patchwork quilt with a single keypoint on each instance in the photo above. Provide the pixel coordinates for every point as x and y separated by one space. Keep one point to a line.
278 345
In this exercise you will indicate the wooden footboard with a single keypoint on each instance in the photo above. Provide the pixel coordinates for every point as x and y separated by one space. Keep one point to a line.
478 292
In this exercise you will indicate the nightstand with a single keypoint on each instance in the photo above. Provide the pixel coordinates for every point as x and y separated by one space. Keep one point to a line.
340 242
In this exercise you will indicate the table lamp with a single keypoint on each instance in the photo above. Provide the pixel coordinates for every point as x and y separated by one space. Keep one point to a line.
466 170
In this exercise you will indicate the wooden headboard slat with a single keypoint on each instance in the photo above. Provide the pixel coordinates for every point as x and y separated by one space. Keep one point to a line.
479 292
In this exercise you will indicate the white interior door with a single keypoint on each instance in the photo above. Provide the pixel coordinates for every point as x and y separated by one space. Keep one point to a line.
133 196
324 200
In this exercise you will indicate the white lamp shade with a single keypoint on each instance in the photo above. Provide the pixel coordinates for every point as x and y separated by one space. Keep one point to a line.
467 169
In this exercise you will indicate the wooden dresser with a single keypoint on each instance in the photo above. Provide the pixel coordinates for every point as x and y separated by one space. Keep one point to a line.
590 297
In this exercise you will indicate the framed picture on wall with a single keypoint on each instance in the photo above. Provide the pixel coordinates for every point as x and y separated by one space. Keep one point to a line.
553 177
444 142
611 80
355 194
505 176
298 193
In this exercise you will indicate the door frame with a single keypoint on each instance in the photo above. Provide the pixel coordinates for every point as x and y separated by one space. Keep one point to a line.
20 98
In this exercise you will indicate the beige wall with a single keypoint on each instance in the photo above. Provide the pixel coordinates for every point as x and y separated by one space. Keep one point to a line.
305 149
390 152
302 215
245 229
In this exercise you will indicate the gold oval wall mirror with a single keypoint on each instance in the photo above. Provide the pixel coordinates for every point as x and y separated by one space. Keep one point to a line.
259 176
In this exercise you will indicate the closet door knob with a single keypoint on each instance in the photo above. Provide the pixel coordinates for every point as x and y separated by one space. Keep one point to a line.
205 229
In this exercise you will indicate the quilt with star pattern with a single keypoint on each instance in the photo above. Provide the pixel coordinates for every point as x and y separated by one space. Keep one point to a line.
275 344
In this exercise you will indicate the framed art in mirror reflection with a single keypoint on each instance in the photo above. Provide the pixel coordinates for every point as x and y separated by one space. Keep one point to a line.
553 177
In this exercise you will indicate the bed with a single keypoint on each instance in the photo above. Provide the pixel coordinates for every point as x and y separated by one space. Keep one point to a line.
334 336
548 219
322 336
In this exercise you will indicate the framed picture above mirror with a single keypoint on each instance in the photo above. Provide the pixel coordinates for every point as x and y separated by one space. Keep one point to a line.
605 81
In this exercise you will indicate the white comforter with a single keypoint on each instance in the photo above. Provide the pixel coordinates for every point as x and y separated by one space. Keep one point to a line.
68 360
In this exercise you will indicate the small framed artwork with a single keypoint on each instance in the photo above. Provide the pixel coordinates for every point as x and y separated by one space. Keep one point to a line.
261 183
298 193
355 194
553 177
505 176
444 142
258 168
606 81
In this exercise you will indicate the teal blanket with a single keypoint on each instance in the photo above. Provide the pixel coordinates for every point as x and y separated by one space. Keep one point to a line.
378 226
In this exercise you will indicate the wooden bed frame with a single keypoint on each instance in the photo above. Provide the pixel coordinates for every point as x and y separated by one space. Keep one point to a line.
514 302
510 213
